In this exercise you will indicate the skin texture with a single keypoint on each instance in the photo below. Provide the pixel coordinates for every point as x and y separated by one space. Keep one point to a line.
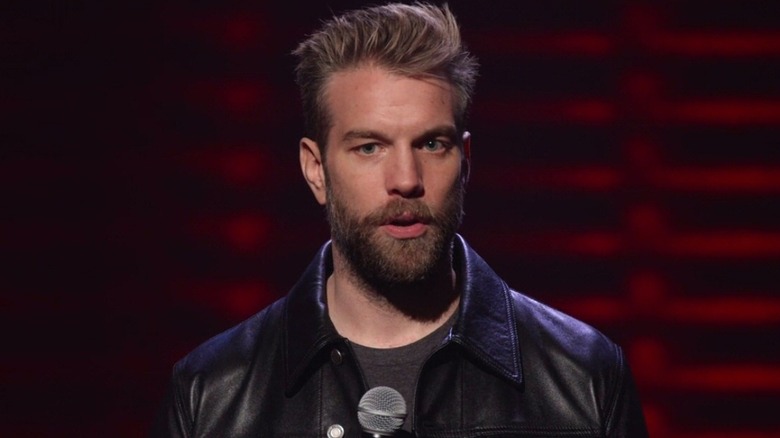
392 185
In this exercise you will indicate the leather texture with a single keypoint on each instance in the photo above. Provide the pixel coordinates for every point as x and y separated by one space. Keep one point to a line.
509 367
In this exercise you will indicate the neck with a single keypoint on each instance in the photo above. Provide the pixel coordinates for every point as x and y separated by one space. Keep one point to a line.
394 316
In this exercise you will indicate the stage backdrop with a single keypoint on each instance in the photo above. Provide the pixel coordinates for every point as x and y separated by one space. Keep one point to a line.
625 169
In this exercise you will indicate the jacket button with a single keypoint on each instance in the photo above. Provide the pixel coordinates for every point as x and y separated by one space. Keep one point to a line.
337 357
335 431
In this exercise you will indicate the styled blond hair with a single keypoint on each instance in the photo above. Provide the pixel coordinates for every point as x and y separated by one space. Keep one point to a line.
410 40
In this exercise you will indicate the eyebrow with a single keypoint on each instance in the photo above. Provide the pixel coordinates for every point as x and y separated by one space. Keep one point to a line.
448 131
361 134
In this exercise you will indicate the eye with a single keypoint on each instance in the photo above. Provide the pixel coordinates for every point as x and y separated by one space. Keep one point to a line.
368 149
434 145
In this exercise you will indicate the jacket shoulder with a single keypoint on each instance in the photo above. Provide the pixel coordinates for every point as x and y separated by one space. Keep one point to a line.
567 356
541 326
207 381
570 357
235 348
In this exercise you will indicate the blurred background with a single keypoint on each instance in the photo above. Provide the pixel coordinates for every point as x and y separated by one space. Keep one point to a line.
626 169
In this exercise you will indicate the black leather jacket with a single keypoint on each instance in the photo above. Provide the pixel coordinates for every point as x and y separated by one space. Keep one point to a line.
510 366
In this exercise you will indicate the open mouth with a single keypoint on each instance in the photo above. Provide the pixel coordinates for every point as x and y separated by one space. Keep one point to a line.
405 220
405 226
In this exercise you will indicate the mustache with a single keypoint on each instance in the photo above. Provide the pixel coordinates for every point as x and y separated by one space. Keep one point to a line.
408 210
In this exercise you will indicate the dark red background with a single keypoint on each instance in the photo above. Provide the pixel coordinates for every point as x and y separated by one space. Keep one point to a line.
625 169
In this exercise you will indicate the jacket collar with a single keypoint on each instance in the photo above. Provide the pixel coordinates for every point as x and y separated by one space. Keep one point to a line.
485 327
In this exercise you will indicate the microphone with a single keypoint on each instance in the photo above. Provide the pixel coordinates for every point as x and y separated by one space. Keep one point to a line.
381 411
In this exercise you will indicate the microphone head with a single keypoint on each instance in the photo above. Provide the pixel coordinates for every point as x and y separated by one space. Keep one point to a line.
381 411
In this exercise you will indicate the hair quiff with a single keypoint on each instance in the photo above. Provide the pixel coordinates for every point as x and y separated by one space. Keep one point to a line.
410 40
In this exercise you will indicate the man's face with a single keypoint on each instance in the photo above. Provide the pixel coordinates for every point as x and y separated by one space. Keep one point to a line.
393 174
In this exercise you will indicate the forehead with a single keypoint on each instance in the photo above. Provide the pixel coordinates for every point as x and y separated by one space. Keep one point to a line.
370 97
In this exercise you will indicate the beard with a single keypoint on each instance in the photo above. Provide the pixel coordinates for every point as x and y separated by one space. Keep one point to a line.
386 264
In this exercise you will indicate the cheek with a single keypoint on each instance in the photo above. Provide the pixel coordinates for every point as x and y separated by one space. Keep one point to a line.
355 179
444 178
355 191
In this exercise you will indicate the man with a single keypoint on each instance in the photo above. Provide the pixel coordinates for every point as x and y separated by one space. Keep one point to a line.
397 298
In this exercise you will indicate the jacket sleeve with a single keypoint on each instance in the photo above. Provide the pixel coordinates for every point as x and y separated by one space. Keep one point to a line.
173 420
626 419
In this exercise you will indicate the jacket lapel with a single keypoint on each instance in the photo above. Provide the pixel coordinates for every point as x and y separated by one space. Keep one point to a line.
486 324
307 328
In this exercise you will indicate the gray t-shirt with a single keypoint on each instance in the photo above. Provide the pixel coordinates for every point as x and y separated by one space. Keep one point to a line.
399 367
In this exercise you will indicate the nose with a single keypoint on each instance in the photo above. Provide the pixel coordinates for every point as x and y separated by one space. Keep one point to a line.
404 173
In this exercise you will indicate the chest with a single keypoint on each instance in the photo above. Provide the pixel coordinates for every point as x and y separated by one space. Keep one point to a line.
452 397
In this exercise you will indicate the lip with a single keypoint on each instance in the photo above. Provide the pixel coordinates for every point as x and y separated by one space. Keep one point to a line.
410 231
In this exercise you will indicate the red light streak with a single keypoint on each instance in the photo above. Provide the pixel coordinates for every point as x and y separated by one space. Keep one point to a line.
753 378
233 299
723 112
591 43
232 31
742 179
730 434
237 164
714 44
740 309
245 232
596 244
717 244
583 111
236 97
721 311
732 179
582 43
740 244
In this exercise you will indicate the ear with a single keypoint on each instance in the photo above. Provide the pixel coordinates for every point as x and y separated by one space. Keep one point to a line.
313 168
466 160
